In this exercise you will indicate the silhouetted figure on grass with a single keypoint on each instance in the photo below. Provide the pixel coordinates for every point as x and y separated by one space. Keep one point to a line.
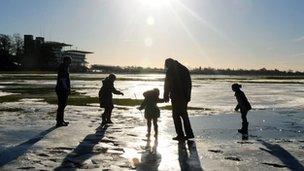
63 89
178 87
106 98
243 105
152 112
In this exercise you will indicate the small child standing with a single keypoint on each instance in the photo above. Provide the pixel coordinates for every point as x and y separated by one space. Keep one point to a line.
106 98
243 105
152 111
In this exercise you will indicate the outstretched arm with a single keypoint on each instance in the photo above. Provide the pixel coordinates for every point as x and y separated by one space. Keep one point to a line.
116 91
143 105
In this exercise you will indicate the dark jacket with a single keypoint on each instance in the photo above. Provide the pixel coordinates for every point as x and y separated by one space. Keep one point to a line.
242 100
105 93
178 83
150 105
63 80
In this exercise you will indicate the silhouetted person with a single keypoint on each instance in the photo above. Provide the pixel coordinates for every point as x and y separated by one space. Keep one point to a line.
151 110
106 97
243 105
63 89
178 87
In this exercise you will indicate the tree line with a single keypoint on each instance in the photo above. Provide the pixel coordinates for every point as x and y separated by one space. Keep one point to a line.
11 51
199 70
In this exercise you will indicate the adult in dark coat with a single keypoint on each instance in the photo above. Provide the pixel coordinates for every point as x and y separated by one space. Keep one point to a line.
106 97
178 88
63 89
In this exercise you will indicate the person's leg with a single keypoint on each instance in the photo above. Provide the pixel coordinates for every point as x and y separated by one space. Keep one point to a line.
109 114
155 126
177 120
245 122
65 102
187 124
59 116
62 102
244 129
104 115
244 116
149 127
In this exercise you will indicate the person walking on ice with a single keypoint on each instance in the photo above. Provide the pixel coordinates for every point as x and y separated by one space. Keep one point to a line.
152 111
106 98
243 105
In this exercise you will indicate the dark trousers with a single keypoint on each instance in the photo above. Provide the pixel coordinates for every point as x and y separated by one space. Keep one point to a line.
106 116
244 115
62 103
154 120
179 113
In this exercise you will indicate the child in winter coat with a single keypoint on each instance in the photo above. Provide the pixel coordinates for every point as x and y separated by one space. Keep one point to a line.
152 111
243 105
106 98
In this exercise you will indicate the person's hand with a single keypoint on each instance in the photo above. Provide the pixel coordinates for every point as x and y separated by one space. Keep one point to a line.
236 109
121 93
166 100
162 100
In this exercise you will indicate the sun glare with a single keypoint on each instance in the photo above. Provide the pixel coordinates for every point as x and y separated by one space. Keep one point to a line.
154 4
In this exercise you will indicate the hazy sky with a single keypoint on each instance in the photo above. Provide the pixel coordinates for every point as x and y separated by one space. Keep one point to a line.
215 33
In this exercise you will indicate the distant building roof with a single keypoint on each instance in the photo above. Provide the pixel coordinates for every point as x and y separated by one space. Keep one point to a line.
58 44
78 51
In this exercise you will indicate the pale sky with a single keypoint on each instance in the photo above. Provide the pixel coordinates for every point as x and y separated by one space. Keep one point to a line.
247 34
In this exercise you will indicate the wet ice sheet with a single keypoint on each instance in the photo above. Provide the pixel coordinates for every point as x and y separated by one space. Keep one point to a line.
212 92
264 124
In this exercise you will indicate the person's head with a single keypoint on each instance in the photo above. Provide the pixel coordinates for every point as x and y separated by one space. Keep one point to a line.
67 60
236 87
169 62
156 90
112 77
151 93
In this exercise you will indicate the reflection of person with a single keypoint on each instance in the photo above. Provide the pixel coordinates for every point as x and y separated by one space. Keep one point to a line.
63 89
178 87
150 158
188 160
106 98
243 105
151 110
